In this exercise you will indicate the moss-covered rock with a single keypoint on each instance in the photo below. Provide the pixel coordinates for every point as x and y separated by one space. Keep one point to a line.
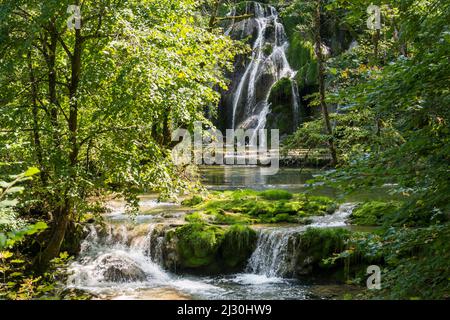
331 254
198 244
202 248
281 114
302 58
276 195
237 246
271 206
195 200
315 245
373 213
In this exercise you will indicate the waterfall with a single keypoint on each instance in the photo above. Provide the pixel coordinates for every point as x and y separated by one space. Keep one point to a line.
116 255
277 249
272 254
153 245
268 64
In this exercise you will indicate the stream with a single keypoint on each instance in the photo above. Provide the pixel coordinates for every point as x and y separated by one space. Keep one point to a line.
129 244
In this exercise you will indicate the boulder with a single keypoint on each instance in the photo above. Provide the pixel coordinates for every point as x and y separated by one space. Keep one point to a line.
120 269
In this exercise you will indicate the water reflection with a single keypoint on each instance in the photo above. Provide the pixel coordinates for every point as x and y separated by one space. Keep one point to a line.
250 177
296 180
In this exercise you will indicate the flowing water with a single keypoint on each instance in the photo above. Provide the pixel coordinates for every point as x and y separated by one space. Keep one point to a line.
277 249
124 259
268 64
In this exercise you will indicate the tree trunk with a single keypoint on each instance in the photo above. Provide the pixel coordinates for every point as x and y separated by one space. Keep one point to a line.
321 80
376 41
51 251
73 90
36 135
63 216
214 13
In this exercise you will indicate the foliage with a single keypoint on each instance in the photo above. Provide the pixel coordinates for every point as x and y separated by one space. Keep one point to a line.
13 229
18 281
392 121
390 93
94 108
415 261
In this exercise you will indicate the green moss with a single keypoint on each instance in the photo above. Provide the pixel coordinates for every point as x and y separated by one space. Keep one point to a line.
237 246
206 248
276 195
373 213
194 217
198 244
321 243
301 56
220 216
282 90
268 49
195 200
281 114
315 246
272 206
283 217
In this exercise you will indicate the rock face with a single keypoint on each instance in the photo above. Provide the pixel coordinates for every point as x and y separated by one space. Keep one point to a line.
205 249
281 115
317 244
120 269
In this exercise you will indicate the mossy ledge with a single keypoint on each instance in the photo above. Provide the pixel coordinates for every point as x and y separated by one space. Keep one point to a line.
200 248
374 213
250 207
316 251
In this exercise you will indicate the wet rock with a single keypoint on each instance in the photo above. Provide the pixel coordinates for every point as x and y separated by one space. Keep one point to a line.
335 291
120 269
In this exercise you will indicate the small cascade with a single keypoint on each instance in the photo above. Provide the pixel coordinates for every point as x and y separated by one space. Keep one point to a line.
276 249
296 105
272 253
249 99
117 255
153 245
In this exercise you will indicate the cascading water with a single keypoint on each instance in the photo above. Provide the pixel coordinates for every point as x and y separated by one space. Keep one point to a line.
123 263
276 249
125 259
112 258
250 93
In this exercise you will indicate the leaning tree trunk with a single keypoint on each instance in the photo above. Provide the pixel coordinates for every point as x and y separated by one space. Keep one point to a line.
321 80
60 223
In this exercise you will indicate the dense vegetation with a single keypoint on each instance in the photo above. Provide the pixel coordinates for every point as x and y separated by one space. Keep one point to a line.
88 112
391 94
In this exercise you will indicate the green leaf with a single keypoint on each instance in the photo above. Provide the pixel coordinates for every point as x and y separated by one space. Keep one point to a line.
8 203
2 240
4 184
14 190
31 172
6 254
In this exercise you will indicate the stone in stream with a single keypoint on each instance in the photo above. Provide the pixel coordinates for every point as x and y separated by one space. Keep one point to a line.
120 269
